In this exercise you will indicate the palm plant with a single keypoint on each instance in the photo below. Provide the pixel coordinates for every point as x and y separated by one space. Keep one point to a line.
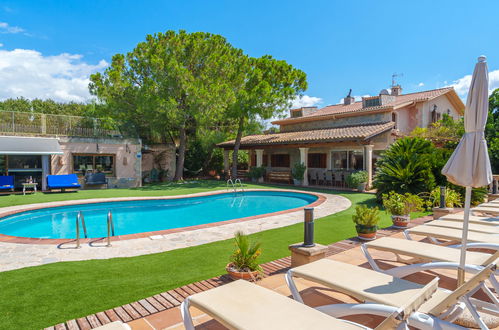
406 167
245 258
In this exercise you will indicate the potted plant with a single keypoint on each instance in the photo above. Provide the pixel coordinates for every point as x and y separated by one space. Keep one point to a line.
256 173
401 206
298 173
244 261
358 180
366 222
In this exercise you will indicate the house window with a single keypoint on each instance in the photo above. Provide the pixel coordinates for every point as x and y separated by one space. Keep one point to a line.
317 160
394 119
3 165
356 160
296 113
279 160
339 160
93 163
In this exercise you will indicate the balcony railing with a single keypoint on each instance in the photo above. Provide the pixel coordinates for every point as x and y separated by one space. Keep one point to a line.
46 124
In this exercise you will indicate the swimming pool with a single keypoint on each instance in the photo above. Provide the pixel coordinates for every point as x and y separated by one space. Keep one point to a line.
139 216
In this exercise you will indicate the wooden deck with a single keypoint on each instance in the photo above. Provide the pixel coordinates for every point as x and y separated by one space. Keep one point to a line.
173 298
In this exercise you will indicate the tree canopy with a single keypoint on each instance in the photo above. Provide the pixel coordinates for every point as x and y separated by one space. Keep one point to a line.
169 84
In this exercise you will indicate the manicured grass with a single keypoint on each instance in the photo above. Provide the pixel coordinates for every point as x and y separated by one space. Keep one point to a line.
41 296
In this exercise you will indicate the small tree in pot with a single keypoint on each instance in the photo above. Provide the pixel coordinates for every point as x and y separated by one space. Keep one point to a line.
256 173
401 206
366 222
244 261
298 173
358 180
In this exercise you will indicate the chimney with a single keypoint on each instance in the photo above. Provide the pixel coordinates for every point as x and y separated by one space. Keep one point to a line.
349 99
396 90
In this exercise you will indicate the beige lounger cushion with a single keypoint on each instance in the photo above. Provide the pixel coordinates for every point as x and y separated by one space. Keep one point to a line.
459 217
488 210
242 305
459 225
453 234
116 325
430 252
366 285
371 286
490 204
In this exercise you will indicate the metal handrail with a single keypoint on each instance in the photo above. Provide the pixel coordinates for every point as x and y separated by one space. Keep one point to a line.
80 218
240 184
110 228
232 184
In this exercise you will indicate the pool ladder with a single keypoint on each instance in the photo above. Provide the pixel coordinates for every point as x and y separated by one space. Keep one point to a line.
234 185
81 218
110 228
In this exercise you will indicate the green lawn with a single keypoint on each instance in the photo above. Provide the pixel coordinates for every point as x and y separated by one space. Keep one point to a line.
41 296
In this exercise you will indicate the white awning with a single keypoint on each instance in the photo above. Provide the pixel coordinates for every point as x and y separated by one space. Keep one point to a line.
17 145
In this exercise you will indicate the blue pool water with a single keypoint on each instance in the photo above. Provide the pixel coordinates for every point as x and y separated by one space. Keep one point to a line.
133 217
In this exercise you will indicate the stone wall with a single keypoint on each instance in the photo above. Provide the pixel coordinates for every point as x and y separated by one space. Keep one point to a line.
127 152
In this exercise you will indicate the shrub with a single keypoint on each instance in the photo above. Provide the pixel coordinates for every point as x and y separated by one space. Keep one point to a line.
356 178
398 204
366 219
256 172
452 198
245 258
406 167
298 171
366 216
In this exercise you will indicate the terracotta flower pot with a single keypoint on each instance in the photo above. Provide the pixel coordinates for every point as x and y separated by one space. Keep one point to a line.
400 221
366 233
236 275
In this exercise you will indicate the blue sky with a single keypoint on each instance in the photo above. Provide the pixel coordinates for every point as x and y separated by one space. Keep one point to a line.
48 48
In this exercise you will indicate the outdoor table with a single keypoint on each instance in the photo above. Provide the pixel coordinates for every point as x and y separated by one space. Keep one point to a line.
31 185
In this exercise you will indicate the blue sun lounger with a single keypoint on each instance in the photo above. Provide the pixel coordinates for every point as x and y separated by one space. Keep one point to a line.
65 181
6 182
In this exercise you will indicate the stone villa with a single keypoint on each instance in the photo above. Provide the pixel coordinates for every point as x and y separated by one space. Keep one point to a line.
338 139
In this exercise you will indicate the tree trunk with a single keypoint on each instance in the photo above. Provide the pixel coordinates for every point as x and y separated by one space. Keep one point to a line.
237 144
179 171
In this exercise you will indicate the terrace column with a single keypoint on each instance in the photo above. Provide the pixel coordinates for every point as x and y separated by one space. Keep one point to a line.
45 171
259 160
304 160
329 160
368 163
226 163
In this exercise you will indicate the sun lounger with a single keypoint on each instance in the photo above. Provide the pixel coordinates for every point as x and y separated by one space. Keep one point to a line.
367 285
475 239
459 225
426 256
243 305
489 204
494 211
490 221
63 182
116 325
6 182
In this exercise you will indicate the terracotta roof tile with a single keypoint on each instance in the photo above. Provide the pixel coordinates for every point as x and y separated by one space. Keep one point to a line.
359 132
357 106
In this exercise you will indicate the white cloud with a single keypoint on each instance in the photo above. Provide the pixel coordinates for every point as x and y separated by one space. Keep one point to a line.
306 101
462 85
5 28
421 84
1 45
30 74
